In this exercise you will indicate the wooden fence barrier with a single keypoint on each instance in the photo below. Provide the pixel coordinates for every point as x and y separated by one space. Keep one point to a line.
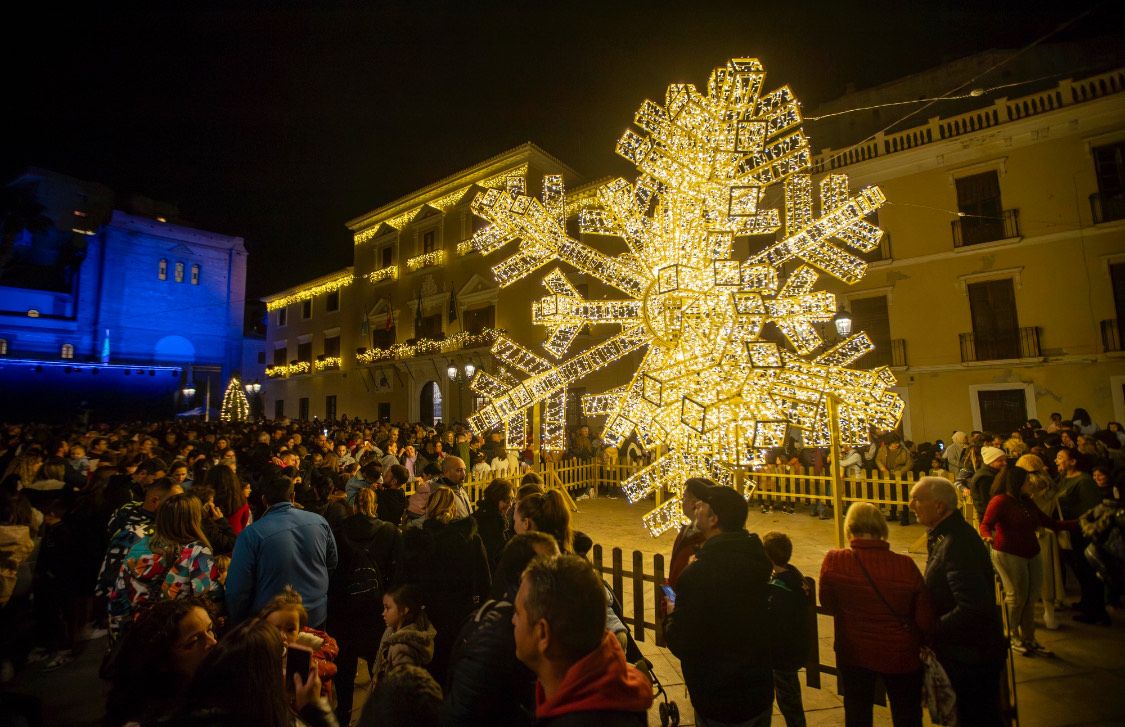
642 582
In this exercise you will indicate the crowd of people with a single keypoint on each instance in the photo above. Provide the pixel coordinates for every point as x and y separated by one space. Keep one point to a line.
226 560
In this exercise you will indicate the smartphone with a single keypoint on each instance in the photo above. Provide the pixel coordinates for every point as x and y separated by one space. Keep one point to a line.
298 660
669 594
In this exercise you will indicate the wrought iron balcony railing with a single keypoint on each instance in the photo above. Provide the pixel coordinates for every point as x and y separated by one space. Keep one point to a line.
1015 343
972 230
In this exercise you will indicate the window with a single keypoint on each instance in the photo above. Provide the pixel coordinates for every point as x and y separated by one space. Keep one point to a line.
261 358
384 411
330 407
303 408
1108 202
978 202
195 274
3 347
332 301
278 408
477 320
430 327
382 338
332 346
280 356
427 242
282 316
179 272
996 328
67 351
386 256
162 270
871 315
1113 328
1001 408
306 308
304 351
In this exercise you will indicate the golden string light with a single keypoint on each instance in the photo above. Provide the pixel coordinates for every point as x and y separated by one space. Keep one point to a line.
437 257
427 346
727 326
388 273
311 291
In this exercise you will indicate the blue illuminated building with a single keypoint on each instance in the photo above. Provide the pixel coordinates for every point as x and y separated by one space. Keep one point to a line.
111 305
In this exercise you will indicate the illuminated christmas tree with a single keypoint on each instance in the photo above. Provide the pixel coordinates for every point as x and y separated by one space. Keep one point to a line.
719 291
235 407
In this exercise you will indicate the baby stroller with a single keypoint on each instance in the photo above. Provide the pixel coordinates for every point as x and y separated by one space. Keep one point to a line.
668 710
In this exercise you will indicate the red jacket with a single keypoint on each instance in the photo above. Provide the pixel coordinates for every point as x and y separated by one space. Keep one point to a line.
868 635
601 681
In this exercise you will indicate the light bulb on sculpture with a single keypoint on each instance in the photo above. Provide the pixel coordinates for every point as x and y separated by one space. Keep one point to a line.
728 354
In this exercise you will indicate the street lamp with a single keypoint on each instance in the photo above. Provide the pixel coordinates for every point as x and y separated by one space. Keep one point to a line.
253 388
452 372
470 370
843 322
188 391
460 377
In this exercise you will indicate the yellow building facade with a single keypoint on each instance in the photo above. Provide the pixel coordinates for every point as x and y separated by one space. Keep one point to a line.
998 292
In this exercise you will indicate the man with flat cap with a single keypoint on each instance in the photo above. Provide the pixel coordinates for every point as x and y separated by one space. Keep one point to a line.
718 625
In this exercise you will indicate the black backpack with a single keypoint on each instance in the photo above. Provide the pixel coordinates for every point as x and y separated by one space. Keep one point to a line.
362 583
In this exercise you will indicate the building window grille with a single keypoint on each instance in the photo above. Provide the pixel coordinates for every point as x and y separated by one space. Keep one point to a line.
428 242
1108 203
306 308
179 272
282 316
195 274
3 347
162 270
981 215
332 301
67 351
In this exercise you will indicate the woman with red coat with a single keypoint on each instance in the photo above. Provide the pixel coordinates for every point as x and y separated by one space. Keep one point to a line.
882 612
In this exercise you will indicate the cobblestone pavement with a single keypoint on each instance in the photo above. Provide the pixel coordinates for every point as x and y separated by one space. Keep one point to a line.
1084 684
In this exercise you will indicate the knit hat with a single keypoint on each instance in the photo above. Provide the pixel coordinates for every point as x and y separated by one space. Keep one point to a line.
991 454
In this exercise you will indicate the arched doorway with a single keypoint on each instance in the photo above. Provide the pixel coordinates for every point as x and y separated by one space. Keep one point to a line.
429 403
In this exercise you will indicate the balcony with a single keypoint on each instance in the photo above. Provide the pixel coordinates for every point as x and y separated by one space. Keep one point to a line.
977 230
1107 207
1111 336
882 252
1016 343
892 353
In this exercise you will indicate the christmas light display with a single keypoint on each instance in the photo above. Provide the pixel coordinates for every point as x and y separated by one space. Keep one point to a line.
719 291
235 407
312 290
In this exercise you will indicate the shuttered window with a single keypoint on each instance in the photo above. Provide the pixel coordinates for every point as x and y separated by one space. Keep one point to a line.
996 328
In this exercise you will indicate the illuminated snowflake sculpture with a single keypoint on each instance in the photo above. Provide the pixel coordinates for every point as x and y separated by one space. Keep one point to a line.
711 387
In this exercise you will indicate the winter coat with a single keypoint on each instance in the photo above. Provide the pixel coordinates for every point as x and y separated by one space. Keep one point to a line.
790 604
720 628
487 684
411 645
868 634
359 618
449 564
599 689
960 578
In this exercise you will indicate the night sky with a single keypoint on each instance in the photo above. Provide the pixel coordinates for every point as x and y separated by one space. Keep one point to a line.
280 125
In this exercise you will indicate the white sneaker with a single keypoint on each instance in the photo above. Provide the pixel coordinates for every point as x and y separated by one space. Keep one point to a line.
90 633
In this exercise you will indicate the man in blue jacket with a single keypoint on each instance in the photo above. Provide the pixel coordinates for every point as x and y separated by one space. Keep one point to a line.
286 546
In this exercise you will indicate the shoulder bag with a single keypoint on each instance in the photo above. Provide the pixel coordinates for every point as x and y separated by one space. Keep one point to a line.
937 690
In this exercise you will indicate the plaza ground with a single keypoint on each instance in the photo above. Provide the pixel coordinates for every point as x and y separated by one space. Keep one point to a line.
1084 684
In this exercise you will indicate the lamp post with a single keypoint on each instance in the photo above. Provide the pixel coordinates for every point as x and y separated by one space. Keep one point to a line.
252 390
843 322
460 377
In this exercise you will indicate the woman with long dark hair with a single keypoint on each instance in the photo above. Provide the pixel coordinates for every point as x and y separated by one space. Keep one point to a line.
157 659
1009 525
242 682
230 496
